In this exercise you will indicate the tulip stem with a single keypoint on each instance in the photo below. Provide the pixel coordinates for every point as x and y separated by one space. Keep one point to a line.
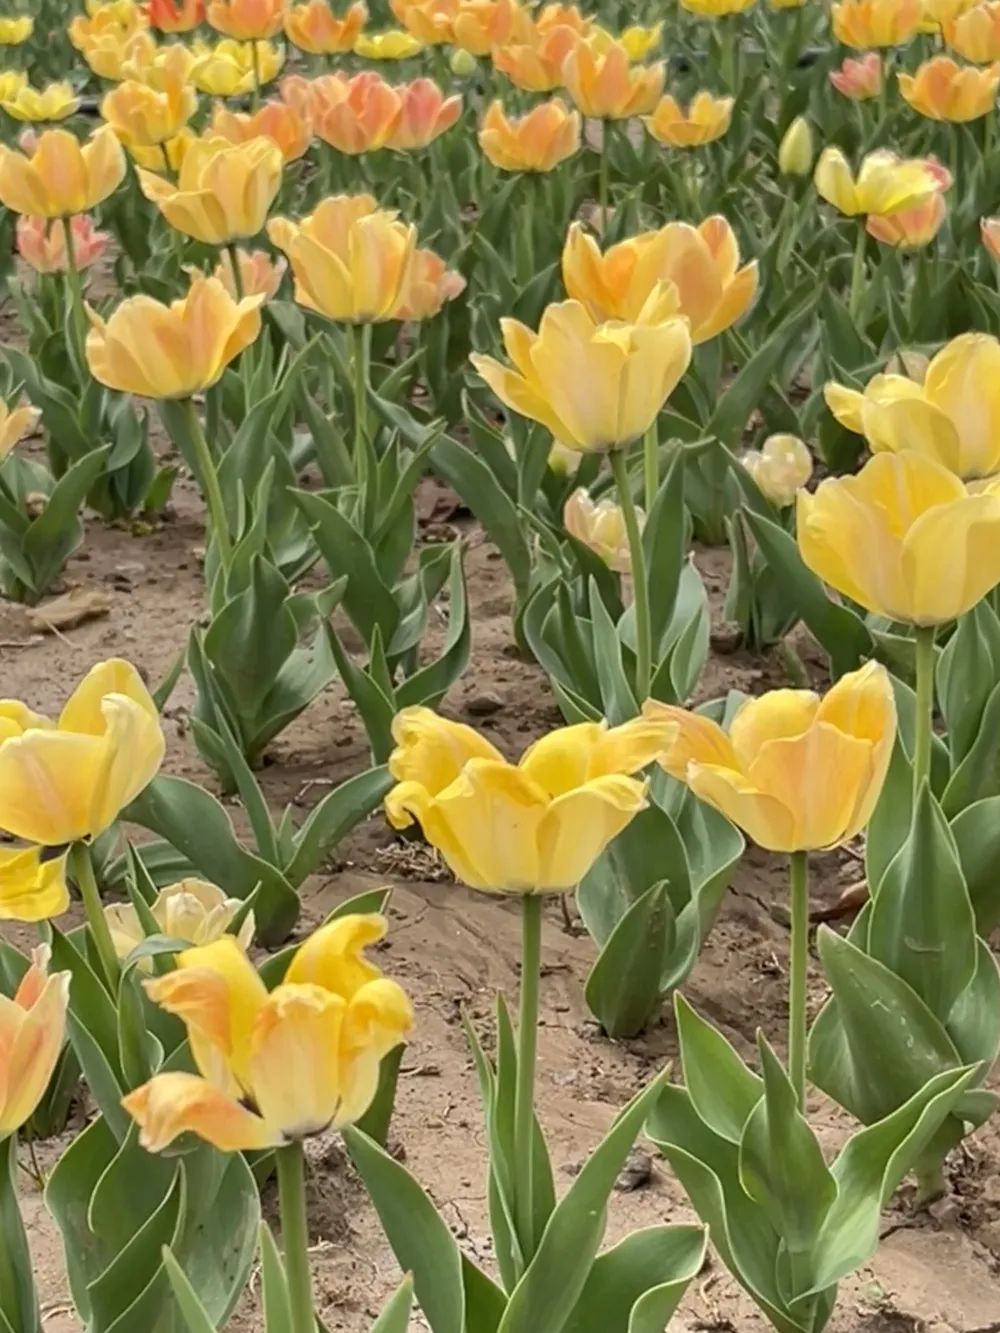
362 460
82 869
255 56
295 1236
923 722
858 272
527 1050
208 480
640 584
603 187
75 291
234 261
798 971
651 466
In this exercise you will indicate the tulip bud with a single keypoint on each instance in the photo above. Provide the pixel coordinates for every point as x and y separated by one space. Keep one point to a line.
463 63
795 156
780 469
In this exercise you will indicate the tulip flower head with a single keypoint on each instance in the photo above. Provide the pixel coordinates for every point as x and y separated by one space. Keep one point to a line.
351 260
228 68
56 101
246 20
287 126
594 386
274 1067
11 83
259 274
538 141
172 351
796 772
425 114
61 177
600 526
860 79
780 468
191 910
536 826
948 410
431 284
430 21
885 183
641 42
32 886
698 266
481 25
603 83
716 9
315 28
536 64
15 30
143 117
879 538
914 228
942 90
174 16
795 152
882 23
32 1033
393 44
975 34
990 232
223 190
706 119
356 115
15 424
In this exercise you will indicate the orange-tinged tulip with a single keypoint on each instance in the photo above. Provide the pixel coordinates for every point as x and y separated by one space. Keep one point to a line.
860 79
885 183
796 772
594 386
430 285
315 28
223 190
356 115
246 20
905 538
286 126
109 21
990 232
230 68
914 228
274 1067
16 30
706 119
943 90
41 242
430 21
939 12
56 101
532 827
536 65
393 44
975 35
537 141
259 273
600 525
864 23
699 267
481 25
606 85
32 888
142 117
552 16
174 16
15 423
165 157
32 1031
351 260
425 113
71 779
172 351
61 177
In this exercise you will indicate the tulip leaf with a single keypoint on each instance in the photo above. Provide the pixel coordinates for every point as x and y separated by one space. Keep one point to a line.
375 1121
977 774
129 1292
974 1021
891 820
636 1286
617 694
967 670
196 1317
664 543
976 831
333 818
922 925
18 1301
623 988
722 1089
273 1282
395 1317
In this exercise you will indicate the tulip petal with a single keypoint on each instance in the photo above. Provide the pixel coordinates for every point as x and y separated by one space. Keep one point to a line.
32 1031
332 957
769 823
579 825
969 531
777 715
177 1103
846 405
862 704
963 382
295 1062
689 738
433 750
48 780
32 889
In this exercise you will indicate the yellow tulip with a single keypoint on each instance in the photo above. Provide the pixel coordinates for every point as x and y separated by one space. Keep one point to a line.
532 827
32 1031
116 55
351 260
942 90
394 44
536 64
63 781
706 119
430 21
274 1067
191 910
699 267
716 9
481 25
905 538
538 141
60 177
315 28
56 101
15 423
594 386
143 117
639 41
164 157
223 190
796 772
781 467
975 35
227 68
941 11
951 414
11 83
865 23
15 30
600 526
172 351
885 184
32 886
795 152
604 83
259 273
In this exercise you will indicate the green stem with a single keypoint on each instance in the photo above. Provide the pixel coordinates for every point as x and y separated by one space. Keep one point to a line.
82 869
295 1237
640 585
798 971
527 1051
603 187
255 55
208 480
234 258
651 466
528 230
932 1182
923 722
362 351
75 286
858 272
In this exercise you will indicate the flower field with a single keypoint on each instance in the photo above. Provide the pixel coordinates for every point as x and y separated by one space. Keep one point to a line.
500 633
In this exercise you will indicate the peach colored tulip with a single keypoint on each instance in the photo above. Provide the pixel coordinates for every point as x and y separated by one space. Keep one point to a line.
942 90
260 274
706 119
914 228
425 114
481 25
538 141
537 65
431 284
975 35
430 21
990 232
315 28
32 1031
62 176
356 115
861 79
174 16
223 191
277 121
41 242
246 20
864 23
143 117
606 85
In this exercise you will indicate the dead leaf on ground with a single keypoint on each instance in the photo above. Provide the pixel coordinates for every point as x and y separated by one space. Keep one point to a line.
70 610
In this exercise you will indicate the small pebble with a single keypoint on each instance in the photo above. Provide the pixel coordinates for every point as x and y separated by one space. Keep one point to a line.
484 705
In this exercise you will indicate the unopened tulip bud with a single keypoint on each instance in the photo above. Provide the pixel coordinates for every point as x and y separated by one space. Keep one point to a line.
783 465
463 63
795 155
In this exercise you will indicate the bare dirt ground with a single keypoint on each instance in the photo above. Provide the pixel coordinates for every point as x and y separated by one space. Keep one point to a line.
938 1272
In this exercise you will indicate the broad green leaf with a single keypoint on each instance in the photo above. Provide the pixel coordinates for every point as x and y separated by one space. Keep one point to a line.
196 1317
623 988
333 818
136 1273
395 1318
375 1121
722 1089
636 1286
976 831
67 1197
18 1300
274 1284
